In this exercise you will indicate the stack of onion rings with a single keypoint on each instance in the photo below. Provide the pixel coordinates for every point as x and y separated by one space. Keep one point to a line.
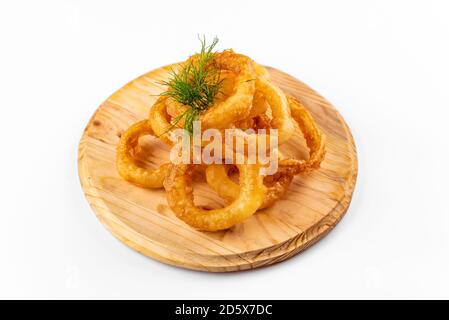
248 100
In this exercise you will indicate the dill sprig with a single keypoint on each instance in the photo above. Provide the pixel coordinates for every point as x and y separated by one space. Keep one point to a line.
195 85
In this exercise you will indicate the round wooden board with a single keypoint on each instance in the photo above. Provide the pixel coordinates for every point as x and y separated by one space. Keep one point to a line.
141 218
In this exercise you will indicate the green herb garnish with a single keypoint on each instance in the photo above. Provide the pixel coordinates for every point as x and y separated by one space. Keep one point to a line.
195 85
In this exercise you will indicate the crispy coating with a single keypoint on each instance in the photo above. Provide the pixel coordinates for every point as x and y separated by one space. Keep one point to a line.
261 71
314 138
277 185
237 106
158 120
127 166
237 99
217 178
259 106
268 94
281 118
257 118
178 185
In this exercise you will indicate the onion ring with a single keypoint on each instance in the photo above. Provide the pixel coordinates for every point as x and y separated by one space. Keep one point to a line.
236 106
247 99
259 106
277 185
158 120
227 78
281 118
314 138
258 111
178 185
217 178
261 71
126 164
280 111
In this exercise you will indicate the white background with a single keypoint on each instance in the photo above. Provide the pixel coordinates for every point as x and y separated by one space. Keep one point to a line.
383 64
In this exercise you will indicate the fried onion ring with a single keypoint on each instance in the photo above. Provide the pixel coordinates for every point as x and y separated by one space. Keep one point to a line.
237 105
259 109
314 138
227 78
281 118
158 120
217 178
259 106
244 100
178 185
261 71
217 175
127 166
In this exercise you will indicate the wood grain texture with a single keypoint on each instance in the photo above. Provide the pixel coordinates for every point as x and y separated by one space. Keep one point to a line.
141 218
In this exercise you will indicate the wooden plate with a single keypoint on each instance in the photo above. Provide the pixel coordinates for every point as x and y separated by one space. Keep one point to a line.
141 218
